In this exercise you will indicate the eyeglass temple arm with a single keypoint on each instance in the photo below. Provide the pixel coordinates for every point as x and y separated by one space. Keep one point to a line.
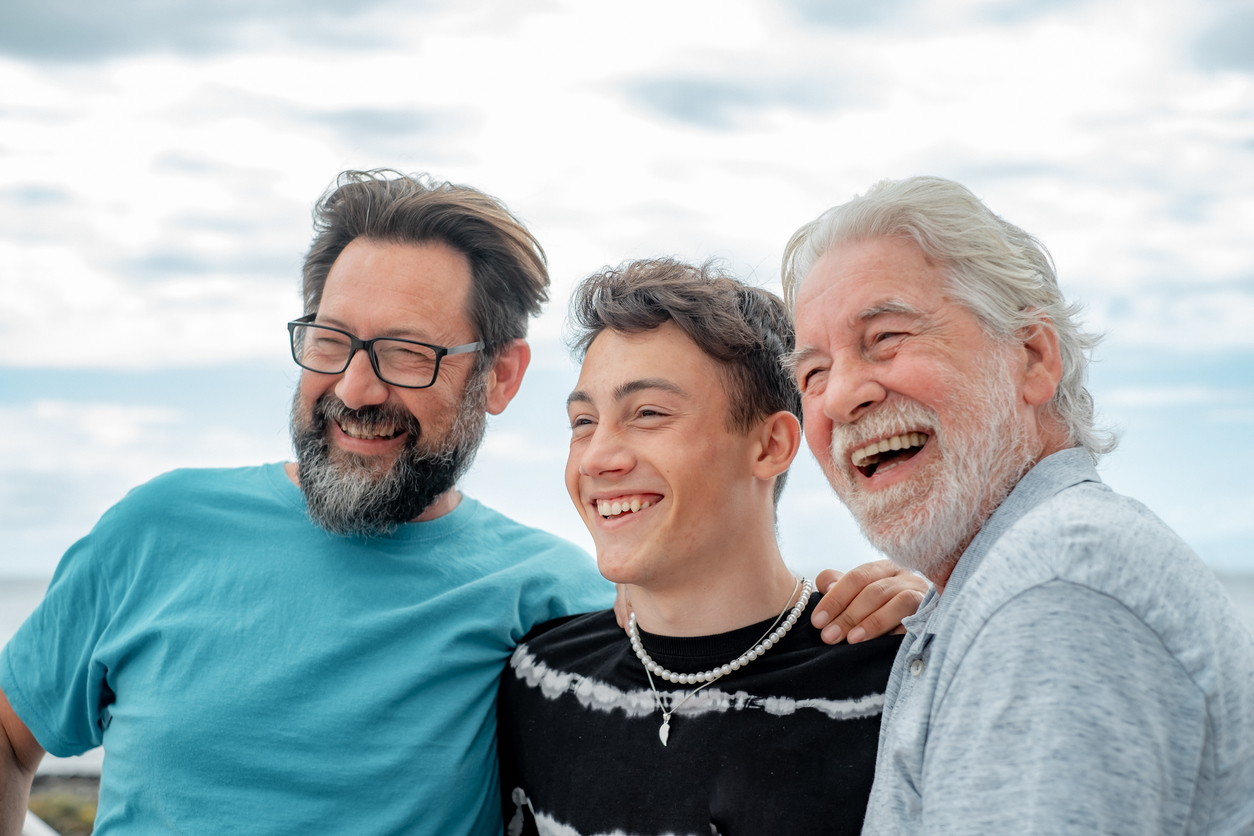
464 349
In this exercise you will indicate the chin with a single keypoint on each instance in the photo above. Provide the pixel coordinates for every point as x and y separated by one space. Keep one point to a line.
619 567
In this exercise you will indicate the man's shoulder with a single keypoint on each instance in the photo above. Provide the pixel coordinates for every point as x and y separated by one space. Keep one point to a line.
1092 537
1091 550
575 634
488 526
194 482
1093 513
187 493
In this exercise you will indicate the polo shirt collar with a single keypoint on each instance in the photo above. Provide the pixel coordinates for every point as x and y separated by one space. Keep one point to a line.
1050 476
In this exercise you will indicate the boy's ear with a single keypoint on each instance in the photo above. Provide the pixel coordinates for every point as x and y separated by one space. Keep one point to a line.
778 440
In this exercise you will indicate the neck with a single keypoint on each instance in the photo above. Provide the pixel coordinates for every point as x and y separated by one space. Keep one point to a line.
1049 446
731 598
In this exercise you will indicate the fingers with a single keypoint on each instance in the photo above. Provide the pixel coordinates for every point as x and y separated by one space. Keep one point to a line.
826 578
839 591
622 605
830 604
887 617
868 602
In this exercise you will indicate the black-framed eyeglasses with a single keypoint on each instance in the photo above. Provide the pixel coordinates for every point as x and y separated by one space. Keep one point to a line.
408 364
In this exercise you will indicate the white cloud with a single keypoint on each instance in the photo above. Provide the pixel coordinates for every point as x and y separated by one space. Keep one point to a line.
155 186
1087 124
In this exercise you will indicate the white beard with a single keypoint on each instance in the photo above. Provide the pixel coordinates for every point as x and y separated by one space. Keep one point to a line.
923 523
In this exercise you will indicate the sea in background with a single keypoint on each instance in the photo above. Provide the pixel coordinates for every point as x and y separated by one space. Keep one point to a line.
20 596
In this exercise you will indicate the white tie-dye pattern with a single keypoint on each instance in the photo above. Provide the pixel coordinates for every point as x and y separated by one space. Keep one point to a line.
601 696
547 826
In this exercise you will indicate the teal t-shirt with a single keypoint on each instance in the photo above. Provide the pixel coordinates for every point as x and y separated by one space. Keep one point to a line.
248 672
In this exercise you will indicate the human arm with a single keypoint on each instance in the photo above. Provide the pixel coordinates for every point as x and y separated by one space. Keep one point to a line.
866 602
1066 714
20 754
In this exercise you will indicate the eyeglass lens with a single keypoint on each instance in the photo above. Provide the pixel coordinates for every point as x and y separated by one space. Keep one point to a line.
400 363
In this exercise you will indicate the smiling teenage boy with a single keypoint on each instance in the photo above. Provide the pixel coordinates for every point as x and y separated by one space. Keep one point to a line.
683 426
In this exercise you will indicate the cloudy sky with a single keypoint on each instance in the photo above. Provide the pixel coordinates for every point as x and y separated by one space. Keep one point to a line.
158 162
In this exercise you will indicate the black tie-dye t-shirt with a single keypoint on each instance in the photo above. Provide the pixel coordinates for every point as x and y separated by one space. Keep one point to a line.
786 745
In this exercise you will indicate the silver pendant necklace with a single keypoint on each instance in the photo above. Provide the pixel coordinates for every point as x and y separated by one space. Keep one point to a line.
769 639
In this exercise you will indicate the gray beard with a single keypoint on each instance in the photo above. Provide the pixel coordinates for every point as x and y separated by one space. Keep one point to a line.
353 495
924 523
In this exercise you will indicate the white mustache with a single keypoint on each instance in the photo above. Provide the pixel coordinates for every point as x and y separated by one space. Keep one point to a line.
891 418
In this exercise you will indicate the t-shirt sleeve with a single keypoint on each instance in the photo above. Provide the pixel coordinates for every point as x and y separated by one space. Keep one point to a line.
48 670
565 582
1066 715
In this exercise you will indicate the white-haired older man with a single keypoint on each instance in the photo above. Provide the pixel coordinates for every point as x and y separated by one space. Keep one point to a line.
1077 669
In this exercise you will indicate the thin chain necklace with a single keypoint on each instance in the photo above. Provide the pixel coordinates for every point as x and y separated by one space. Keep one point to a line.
769 639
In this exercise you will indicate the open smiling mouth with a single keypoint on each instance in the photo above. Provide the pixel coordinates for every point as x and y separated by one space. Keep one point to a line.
371 433
887 453
622 505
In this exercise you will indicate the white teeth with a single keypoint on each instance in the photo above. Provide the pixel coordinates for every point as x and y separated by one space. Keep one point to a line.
611 508
355 432
903 441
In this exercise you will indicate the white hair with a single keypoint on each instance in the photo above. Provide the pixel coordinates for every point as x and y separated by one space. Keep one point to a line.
1001 274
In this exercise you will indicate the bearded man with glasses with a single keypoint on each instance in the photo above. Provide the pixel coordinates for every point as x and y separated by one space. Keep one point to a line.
315 646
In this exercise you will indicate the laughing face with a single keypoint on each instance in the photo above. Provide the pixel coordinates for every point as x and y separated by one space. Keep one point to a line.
371 455
657 476
911 410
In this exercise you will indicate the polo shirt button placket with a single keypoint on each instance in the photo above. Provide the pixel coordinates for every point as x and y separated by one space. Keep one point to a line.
916 667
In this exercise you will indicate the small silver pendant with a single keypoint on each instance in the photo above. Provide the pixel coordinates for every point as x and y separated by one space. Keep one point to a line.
665 731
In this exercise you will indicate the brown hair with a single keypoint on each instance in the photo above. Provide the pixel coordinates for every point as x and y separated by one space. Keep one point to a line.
510 278
746 329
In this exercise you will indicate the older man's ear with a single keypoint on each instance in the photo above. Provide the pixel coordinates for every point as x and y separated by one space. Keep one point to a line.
1040 372
1042 363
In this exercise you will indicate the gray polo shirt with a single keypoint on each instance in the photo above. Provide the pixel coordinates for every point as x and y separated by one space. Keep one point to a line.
1083 672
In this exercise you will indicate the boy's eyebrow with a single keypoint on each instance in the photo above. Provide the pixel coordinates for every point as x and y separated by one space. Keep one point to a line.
629 388
634 386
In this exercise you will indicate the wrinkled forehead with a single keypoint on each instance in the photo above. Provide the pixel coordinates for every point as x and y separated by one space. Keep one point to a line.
420 291
856 283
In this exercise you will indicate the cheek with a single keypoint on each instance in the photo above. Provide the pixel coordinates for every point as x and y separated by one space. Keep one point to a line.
818 431
311 388
572 476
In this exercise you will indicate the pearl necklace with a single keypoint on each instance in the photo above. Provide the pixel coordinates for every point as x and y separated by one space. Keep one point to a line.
769 639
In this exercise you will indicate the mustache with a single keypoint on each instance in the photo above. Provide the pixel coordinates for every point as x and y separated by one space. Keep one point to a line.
372 418
890 418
